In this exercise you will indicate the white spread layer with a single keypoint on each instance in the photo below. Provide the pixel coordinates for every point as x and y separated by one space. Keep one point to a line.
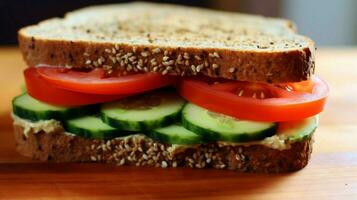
47 126
278 141
275 142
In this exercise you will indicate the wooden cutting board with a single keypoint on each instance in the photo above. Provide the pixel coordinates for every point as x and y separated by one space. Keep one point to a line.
331 173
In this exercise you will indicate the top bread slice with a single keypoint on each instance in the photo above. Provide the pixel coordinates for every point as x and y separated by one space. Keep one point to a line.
172 39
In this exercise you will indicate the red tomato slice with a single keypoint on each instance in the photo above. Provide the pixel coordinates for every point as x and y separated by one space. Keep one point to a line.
42 90
258 102
94 82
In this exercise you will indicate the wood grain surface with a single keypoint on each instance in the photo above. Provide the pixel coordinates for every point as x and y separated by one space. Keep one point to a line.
331 173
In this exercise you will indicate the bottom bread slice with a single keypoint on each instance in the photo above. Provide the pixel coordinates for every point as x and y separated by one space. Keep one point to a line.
140 150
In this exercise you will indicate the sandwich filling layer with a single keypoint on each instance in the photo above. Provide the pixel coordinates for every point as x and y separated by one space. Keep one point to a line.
287 133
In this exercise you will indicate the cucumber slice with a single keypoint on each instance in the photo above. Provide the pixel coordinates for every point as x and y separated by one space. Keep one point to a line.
92 127
143 112
26 107
298 130
175 134
218 127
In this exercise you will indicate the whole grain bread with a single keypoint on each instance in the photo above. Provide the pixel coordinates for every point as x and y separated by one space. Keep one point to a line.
172 39
57 146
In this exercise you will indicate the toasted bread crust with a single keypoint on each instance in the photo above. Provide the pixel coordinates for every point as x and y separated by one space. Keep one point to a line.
194 41
60 147
269 67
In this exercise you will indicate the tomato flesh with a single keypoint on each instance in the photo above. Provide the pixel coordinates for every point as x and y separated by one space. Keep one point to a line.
242 100
279 105
42 90
95 82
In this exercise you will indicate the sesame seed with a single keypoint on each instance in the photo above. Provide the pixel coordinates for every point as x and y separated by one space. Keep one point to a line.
114 51
112 59
163 164
193 68
116 47
132 58
132 153
208 160
118 54
150 162
88 62
186 56
203 164
198 58
206 63
165 58
187 63
99 61
129 158
92 146
86 54
145 156
207 155
167 63
215 66
127 147
134 49
146 69
164 72
144 54
237 157
122 64
155 69
122 161
93 158
232 69
166 53
174 164
215 54
162 147
199 67
95 63
107 50
156 50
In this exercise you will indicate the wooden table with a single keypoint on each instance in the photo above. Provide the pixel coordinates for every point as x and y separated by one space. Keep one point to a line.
331 174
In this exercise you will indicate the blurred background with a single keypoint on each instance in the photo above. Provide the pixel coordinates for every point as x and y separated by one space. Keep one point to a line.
328 22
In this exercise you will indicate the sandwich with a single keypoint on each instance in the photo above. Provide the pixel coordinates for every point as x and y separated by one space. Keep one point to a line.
158 85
